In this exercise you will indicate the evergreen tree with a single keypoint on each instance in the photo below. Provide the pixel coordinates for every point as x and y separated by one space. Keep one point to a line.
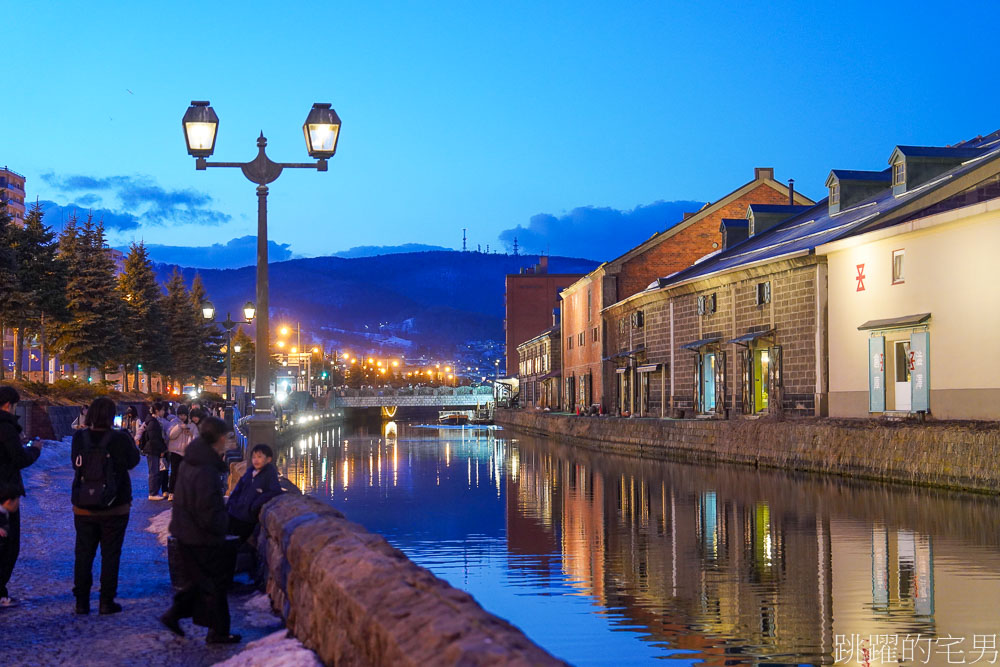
211 339
144 339
91 336
9 297
182 330
244 359
42 283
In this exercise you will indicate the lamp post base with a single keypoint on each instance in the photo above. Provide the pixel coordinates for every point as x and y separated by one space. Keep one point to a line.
261 430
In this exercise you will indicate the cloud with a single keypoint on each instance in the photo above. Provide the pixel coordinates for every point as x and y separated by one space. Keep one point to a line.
57 214
235 253
595 233
376 250
141 197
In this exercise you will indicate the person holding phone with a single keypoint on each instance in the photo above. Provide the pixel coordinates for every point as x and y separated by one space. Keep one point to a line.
14 457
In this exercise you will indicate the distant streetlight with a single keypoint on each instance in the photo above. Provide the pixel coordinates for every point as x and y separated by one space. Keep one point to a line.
322 131
208 312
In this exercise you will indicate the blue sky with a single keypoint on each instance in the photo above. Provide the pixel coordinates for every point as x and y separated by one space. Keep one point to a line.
477 115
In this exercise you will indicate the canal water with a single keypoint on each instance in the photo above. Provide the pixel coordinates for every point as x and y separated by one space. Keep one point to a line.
610 560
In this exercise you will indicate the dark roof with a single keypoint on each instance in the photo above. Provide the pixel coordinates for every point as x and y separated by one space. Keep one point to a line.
957 152
778 208
894 322
729 223
855 175
816 225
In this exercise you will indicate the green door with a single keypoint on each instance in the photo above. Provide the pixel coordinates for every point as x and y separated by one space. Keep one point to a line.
761 359
708 382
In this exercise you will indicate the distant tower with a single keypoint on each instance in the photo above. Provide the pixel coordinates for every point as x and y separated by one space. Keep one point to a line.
479 247
463 239
515 246
487 248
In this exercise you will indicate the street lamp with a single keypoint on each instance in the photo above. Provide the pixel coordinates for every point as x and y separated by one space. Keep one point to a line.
322 131
208 312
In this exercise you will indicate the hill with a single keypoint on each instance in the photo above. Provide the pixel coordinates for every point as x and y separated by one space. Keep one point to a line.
422 300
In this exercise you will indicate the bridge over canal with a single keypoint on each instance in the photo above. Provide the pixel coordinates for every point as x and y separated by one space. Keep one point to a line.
412 397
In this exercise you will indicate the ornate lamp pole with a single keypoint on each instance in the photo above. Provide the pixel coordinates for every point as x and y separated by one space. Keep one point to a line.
321 130
208 312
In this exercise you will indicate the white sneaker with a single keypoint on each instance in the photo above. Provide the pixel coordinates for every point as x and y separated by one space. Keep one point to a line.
9 602
156 497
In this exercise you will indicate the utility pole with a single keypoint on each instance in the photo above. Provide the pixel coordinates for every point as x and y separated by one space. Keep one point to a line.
463 239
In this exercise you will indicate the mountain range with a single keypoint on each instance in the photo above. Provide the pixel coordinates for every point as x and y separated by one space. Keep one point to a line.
432 300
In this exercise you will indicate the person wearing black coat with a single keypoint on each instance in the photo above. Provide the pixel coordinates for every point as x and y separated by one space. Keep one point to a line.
258 484
153 444
14 457
199 523
104 525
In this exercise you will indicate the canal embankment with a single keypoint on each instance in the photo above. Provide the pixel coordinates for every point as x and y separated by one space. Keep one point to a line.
352 598
955 455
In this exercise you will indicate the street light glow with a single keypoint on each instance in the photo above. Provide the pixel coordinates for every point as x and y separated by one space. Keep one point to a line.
281 343
284 331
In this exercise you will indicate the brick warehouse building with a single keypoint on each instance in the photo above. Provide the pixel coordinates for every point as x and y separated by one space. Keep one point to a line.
587 376
529 300
746 330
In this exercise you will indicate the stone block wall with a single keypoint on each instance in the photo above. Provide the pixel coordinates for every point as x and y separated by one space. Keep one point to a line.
355 600
950 454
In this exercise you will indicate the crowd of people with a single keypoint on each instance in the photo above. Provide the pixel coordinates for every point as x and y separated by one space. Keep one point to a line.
184 447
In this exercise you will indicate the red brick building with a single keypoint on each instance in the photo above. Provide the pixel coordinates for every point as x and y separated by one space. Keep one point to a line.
530 298
586 367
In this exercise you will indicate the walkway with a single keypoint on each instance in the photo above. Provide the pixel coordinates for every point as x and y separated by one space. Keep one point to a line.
44 630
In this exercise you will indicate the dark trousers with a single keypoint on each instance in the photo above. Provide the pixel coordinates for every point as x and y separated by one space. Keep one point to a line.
9 549
157 477
108 531
175 464
207 572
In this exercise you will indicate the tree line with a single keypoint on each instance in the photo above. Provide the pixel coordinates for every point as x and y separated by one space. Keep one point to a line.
63 292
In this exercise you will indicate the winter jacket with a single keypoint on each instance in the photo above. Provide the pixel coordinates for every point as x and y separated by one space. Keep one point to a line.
13 455
155 442
252 491
124 457
199 513
181 437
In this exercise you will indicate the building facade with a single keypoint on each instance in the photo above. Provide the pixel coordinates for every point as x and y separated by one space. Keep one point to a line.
12 194
588 374
748 330
539 370
530 298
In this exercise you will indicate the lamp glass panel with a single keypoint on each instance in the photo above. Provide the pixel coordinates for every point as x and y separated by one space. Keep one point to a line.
249 312
201 135
323 136
208 312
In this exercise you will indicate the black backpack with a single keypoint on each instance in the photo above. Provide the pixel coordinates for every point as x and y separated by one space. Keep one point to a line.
95 485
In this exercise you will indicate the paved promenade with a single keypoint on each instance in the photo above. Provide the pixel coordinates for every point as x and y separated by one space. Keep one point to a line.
43 630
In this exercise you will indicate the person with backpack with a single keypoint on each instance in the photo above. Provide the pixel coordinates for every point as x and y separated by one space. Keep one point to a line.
198 523
102 499
14 456
153 445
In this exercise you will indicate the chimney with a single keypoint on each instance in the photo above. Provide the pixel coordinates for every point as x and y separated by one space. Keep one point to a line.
791 192
543 264
687 215
555 317
760 173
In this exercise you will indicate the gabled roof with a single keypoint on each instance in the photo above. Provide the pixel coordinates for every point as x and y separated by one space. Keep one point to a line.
815 226
854 175
733 223
777 208
703 212
957 152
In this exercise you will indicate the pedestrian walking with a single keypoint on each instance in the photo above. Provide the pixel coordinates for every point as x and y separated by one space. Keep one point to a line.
153 445
181 435
14 457
199 523
102 499
81 420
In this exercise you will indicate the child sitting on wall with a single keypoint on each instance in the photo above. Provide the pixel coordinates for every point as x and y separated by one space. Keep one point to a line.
258 485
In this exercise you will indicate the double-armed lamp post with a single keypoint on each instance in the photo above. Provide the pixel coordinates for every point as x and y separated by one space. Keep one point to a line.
208 312
321 130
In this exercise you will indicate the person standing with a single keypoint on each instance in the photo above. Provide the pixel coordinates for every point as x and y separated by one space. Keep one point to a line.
181 435
198 523
102 499
81 420
130 422
153 445
14 457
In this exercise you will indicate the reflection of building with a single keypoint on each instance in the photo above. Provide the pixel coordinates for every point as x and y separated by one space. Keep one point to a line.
12 193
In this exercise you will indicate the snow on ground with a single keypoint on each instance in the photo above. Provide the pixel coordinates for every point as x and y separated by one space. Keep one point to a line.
275 650
159 525
258 611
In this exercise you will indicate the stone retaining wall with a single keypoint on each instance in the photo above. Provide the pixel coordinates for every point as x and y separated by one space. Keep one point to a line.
963 456
355 600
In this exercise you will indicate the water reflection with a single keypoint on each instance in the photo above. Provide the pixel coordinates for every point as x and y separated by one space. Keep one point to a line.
606 559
